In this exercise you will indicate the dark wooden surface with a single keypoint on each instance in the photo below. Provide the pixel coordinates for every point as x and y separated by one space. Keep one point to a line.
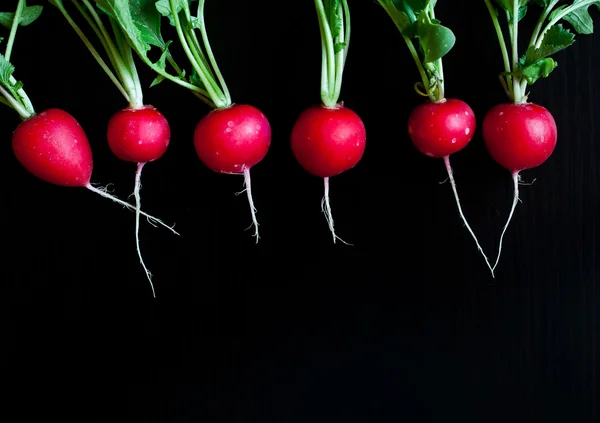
406 326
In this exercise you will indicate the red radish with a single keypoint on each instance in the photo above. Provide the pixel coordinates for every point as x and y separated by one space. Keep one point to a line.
327 141
522 135
52 146
442 126
518 136
138 133
232 140
438 129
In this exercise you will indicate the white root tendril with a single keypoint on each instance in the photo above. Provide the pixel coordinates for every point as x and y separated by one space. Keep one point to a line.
464 219
138 203
103 192
326 208
516 181
248 190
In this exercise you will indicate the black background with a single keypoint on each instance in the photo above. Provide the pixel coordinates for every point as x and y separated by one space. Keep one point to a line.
406 325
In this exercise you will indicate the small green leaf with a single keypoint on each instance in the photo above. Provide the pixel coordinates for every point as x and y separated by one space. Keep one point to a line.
436 40
540 69
6 71
164 8
579 16
557 38
162 64
29 15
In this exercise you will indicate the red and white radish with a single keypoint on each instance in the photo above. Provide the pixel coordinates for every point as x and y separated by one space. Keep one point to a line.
522 135
232 140
518 136
441 126
327 141
329 138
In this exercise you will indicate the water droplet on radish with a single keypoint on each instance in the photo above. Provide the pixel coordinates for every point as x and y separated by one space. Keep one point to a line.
453 140
228 130
230 124
140 142
467 130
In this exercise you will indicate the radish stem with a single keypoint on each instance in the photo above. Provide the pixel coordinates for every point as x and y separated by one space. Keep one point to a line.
326 207
453 185
138 203
13 29
515 177
153 220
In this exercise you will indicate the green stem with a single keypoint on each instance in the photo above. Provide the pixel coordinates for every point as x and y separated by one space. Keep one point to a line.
211 57
327 99
518 97
421 69
126 74
13 29
203 64
340 57
440 65
502 42
216 99
25 101
18 107
94 53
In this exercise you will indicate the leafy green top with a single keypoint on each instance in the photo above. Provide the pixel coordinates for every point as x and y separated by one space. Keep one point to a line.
549 37
11 90
334 23
427 40
140 21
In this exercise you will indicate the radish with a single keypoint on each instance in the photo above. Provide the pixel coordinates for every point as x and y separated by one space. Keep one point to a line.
329 138
441 126
521 135
138 133
232 138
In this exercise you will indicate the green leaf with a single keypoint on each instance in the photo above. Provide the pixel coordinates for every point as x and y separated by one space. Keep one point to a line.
436 40
29 15
162 64
164 8
579 15
556 39
6 71
540 69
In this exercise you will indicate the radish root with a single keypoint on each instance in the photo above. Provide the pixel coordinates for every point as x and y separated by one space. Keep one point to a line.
516 180
326 208
248 190
464 219
138 204
103 192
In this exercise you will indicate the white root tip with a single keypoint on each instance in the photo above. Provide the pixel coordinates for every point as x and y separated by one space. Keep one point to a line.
248 190
516 180
138 202
103 192
464 219
326 208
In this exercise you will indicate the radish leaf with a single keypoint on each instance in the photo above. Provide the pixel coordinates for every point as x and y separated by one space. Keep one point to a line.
578 15
29 15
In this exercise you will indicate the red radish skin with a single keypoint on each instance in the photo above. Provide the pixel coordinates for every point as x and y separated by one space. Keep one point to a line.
232 140
52 146
327 141
139 135
518 136
439 129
